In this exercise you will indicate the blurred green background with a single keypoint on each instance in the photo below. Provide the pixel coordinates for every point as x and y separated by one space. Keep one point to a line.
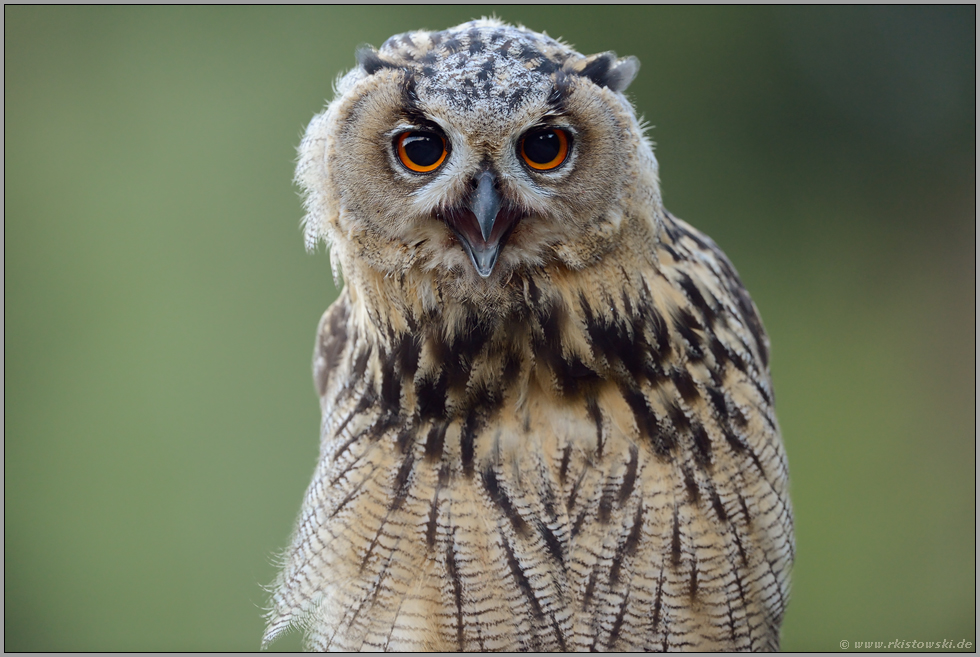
160 421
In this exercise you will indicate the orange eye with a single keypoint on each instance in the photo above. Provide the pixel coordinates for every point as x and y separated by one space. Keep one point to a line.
421 152
544 150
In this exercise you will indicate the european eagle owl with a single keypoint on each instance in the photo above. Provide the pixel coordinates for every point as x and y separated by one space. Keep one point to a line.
547 411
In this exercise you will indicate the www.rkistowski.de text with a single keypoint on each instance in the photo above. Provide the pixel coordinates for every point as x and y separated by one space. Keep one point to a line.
944 644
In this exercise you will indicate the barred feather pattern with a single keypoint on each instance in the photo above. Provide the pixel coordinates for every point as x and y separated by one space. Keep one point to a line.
592 464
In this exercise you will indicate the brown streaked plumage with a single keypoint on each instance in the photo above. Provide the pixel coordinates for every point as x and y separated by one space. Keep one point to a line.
547 413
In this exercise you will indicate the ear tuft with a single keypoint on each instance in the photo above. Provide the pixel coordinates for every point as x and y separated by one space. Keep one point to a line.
607 71
370 60
623 73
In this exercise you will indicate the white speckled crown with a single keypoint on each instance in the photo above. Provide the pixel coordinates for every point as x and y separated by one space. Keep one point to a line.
474 63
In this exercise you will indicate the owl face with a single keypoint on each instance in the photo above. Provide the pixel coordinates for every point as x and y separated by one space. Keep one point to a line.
474 152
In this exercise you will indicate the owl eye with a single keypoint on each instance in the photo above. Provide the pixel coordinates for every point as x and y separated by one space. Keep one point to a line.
545 149
421 152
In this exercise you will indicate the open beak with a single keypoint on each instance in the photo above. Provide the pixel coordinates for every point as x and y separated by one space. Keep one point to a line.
483 224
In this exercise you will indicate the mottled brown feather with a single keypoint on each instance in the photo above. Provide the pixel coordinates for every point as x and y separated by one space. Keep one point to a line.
577 453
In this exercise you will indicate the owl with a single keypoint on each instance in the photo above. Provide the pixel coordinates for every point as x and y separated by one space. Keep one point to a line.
547 411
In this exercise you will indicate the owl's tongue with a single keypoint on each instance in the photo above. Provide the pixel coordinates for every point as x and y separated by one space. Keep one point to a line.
483 226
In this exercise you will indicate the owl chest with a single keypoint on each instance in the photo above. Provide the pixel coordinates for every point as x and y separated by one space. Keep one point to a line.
501 533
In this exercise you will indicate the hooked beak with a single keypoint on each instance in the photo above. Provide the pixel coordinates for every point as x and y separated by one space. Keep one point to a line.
481 226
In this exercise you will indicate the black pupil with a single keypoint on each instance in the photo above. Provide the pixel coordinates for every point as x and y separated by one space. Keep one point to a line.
423 148
542 147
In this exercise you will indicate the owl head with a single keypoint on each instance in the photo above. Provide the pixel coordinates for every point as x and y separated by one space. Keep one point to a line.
468 154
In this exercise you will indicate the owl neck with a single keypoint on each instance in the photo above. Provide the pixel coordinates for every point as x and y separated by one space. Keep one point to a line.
434 350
